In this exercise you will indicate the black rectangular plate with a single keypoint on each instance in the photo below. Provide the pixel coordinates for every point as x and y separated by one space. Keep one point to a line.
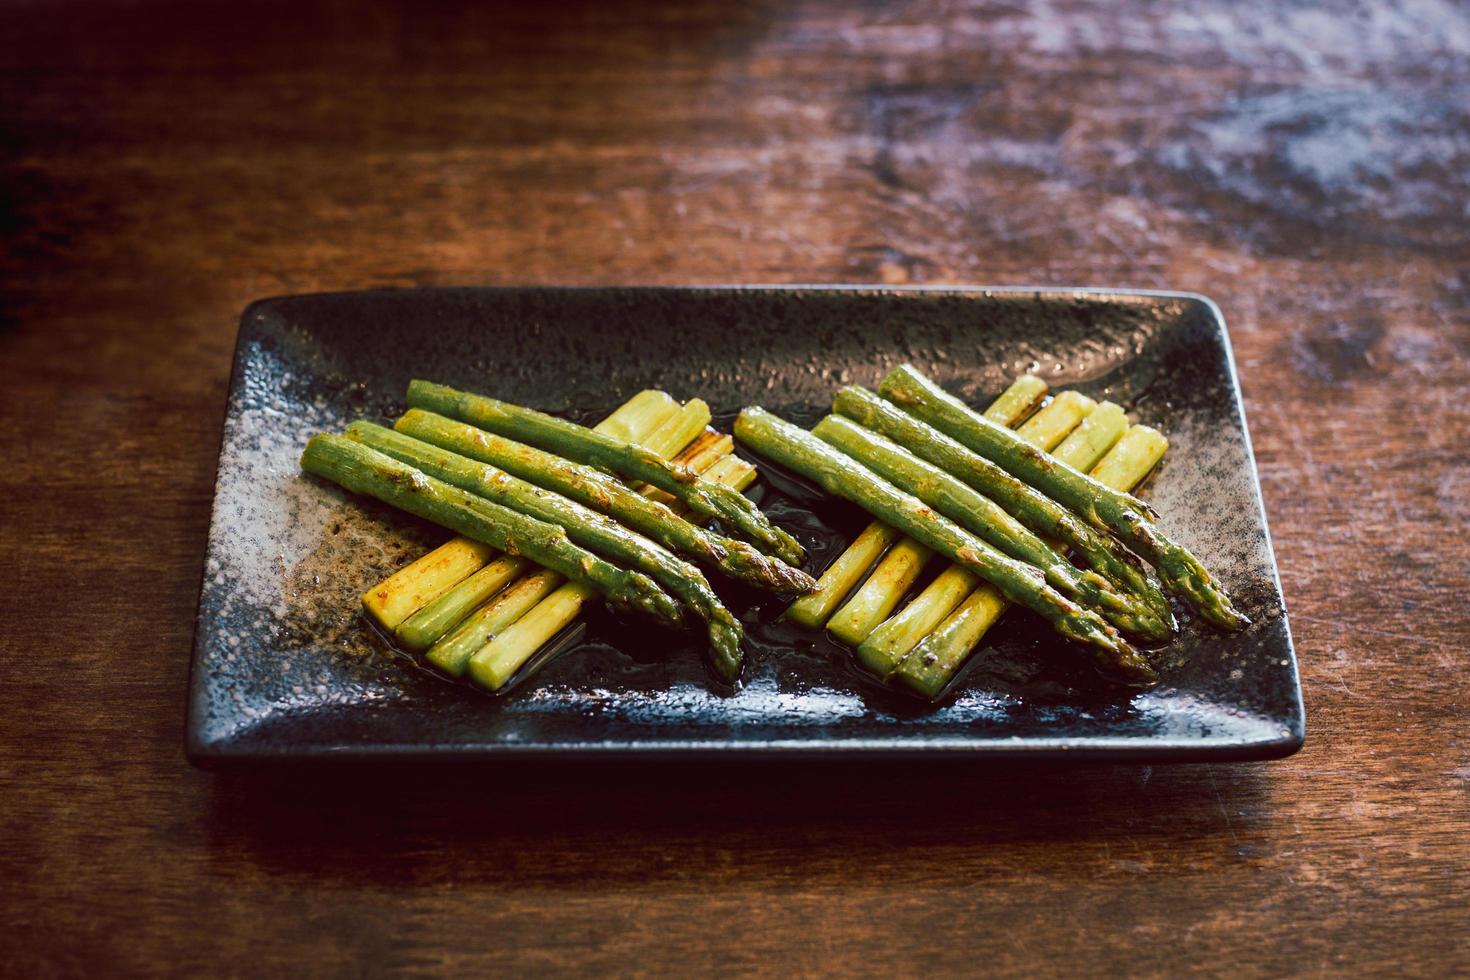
285 667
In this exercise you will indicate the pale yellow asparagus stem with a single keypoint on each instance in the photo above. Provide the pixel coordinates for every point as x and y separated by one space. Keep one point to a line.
431 579
454 651
396 598
500 658
1091 440
1060 416
710 447
1131 459
425 627
732 471
497 661
887 646
640 415
876 597
842 576
1018 401
706 452
680 430
812 609
934 661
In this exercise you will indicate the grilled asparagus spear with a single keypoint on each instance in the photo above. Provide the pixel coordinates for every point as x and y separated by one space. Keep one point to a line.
583 525
813 609
1107 509
987 519
890 644
596 489
363 470
424 600
838 474
1036 510
424 628
941 653
706 500
508 650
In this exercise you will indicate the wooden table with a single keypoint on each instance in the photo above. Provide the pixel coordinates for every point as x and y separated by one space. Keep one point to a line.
166 163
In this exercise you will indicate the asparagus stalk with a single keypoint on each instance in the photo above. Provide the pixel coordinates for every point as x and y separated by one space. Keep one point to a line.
1050 426
640 415
1014 404
988 520
435 588
708 449
891 642
1132 459
424 628
453 652
1107 509
838 474
812 609
932 664
1017 402
875 599
706 500
395 598
596 489
732 471
505 654
887 646
679 431
1041 514
363 470
1093 437
583 525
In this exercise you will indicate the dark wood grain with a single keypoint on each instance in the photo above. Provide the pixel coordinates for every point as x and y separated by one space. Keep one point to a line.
163 164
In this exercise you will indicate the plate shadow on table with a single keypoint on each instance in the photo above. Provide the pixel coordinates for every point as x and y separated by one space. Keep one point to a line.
833 824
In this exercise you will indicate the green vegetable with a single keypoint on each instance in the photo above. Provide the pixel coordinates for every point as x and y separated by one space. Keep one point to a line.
812 609
888 645
424 581
842 576
940 654
704 499
434 593
1093 437
1050 425
1018 401
838 474
1107 509
1131 459
987 519
583 525
514 646
878 596
640 415
931 664
1038 512
424 628
498 660
454 651
605 494
360 469
678 431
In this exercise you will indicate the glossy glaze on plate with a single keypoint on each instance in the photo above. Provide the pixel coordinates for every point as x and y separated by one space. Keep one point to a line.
286 668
